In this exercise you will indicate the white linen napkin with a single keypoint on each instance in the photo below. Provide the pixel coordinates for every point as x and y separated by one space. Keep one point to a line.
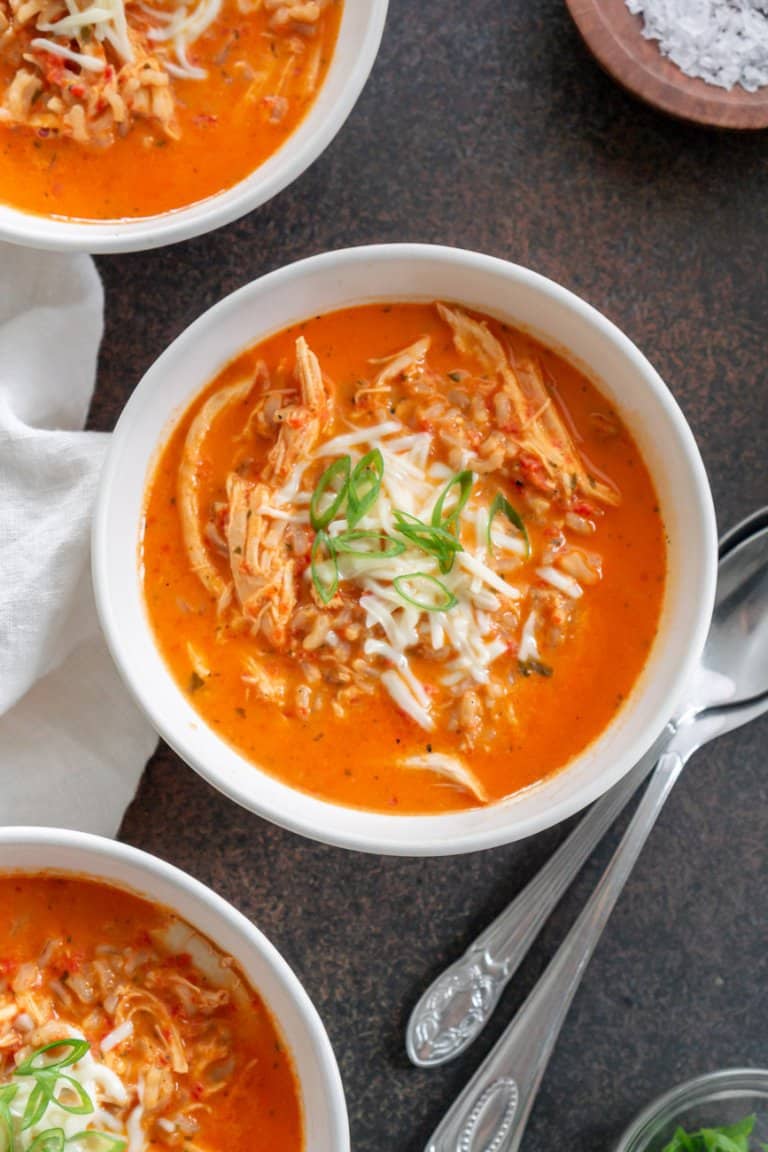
72 743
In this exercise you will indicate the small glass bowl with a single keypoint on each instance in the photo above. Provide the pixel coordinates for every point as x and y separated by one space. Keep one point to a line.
709 1101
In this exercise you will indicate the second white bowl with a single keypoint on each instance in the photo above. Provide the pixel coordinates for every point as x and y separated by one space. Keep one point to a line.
51 850
360 33
525 299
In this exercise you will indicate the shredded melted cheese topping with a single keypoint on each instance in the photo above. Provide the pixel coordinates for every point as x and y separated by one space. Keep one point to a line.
105 1089
413 484
106 21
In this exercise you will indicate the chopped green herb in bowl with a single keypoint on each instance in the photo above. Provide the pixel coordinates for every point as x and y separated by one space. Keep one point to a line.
723 1111
731 1138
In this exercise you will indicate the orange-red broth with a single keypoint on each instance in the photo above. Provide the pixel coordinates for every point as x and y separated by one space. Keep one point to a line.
86 918
354 761
225 134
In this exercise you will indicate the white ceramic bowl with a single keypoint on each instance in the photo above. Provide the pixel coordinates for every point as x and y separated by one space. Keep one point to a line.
360 33
414 272
33 850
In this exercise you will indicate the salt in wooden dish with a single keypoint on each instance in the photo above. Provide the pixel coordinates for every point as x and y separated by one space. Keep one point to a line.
615 37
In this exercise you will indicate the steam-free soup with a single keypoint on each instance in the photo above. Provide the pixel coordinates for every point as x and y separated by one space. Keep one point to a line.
404 557
122 1029
121 108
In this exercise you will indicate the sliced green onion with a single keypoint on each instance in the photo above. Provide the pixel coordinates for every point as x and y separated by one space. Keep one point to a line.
52 1140
321 518
98 1141
381 545
447 602
436 541
450 519
326 589
364 485
501 504
39 1099
85 1104
7 1141
77 1049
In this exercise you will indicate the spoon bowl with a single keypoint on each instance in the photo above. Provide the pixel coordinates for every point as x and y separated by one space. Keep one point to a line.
735 657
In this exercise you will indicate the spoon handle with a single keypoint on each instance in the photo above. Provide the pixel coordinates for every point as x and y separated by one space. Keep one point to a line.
456 1007
492 1110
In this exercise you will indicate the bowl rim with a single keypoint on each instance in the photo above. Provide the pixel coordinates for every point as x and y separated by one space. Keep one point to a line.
696 1090
255 940
392 835
289 161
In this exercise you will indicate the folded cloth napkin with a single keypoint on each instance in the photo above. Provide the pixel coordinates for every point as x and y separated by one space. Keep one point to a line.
72 744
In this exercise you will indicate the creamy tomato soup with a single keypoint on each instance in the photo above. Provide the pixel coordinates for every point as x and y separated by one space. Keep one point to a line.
124 1030
404 558
123 108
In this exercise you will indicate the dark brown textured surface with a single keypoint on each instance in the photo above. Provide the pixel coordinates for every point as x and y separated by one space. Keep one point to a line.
487 124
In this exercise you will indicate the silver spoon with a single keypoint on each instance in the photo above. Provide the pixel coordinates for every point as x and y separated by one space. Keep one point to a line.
458 1004
491 1112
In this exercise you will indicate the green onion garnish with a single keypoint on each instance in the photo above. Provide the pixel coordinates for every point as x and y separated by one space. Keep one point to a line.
76 1050
374 545
85 1104
501 504
39 1099
450 520
47 1075
364 485
98 1141
52 1140
7 1093
324 555
447 598
437 542
321 518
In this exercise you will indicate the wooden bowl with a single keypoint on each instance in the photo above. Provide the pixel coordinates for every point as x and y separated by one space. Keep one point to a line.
615 38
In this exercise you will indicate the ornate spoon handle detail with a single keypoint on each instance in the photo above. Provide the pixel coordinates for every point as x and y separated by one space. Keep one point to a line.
460 1002
491 1113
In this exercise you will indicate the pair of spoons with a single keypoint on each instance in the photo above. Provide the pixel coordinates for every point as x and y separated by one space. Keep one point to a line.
729 689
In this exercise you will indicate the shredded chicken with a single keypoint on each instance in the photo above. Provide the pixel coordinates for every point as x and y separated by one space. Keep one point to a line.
452 771
527 413
90 72
301 424
262 572
517 577
192 520
91 94
171 1024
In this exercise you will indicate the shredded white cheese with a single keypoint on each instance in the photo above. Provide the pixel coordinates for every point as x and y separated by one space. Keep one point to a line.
404 697
123 1032
102 1085
89 63
343 443
403 616
529 649
107 22
181 27
565 584
411 485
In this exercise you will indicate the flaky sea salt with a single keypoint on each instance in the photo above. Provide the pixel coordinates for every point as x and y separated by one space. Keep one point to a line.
724 42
